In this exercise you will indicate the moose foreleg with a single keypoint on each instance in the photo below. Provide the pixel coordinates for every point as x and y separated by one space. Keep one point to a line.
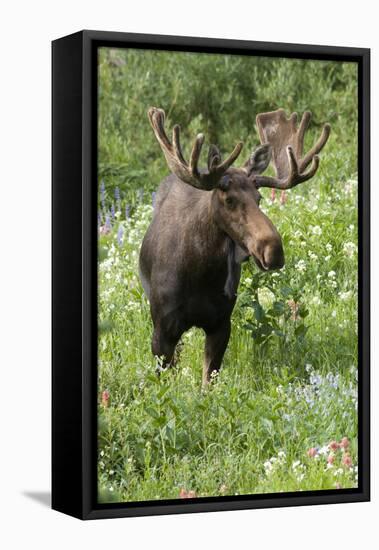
215 346
163 346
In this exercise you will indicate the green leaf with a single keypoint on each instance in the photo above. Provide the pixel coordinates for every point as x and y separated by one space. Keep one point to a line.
258 311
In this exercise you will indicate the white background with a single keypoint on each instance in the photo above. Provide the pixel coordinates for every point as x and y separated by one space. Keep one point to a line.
26 31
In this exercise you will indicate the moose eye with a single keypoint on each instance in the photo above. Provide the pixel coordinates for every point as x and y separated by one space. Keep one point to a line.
230 202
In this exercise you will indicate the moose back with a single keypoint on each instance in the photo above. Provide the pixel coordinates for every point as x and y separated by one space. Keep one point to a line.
207 222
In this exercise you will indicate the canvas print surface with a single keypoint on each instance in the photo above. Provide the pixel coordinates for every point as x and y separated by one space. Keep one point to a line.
227 275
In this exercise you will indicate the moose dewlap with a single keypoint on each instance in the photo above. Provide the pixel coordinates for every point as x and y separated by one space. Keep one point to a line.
208 221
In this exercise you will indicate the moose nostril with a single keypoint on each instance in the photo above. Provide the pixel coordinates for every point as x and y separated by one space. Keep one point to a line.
273 257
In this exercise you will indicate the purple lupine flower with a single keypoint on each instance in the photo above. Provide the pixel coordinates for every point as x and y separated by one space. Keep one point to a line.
98 219
127 212
140 195
108 223
153 198
118 198
120 234
102 193
113 212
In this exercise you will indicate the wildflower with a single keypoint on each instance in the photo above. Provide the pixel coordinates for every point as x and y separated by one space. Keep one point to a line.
117 194
344 443
346 460
120 233
105 398
301 266
223 489
345 295
312 452
349 248
331 274
268 466
328 247
187 494
127 212
327 258
333 445
102 193
316 230
334 313
104 230
296 464
331 458
324 450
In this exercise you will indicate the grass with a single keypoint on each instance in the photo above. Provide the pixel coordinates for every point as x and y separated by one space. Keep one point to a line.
287 391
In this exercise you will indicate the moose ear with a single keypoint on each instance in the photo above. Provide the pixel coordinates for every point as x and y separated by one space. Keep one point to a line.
258 160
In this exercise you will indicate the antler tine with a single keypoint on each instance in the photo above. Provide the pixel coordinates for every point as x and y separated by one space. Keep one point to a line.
287 143
317 147
176 143
195 155
189 172
231 158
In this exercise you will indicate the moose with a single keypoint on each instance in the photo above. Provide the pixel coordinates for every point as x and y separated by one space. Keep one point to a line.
207 222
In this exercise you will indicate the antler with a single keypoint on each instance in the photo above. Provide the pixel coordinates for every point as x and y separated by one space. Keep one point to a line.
287 141
189 172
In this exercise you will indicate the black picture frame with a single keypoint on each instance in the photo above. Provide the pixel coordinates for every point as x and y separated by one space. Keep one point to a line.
74 253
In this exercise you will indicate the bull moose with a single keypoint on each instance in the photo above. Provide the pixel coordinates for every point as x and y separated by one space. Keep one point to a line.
207 222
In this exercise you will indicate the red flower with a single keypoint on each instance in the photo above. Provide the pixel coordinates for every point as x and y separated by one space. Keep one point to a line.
312 452
344 443
346 460
333 445
105 398
331 459
187 494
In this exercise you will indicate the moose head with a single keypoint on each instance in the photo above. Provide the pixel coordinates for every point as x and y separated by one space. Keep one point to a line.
207 221
236 198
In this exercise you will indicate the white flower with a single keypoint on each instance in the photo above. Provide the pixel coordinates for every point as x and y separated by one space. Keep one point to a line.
345 295
334 313
327 258
316 300
296 464
301 265
324 450
328 247
316 230
331 274
349 248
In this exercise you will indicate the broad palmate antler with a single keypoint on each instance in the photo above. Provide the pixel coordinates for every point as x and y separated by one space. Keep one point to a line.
287 142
